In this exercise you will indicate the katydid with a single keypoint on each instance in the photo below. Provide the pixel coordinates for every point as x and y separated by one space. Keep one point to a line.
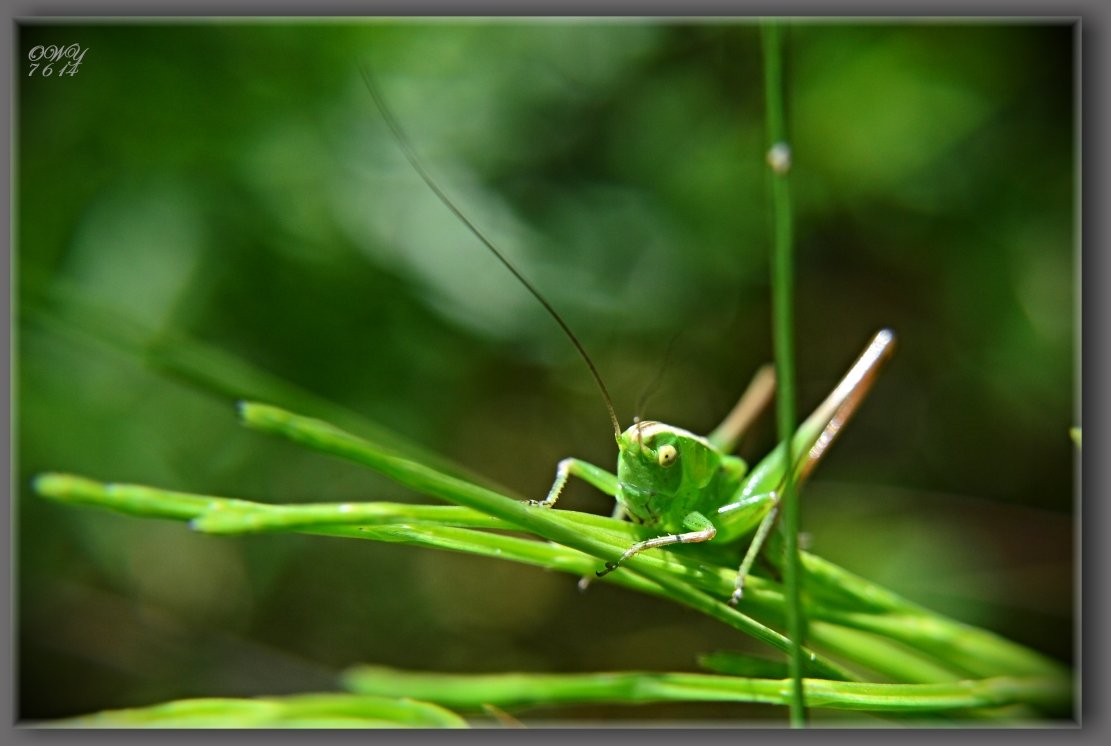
687 485
692 488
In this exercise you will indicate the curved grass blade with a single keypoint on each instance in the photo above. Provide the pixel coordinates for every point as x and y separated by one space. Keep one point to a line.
326 438
299 711
517 690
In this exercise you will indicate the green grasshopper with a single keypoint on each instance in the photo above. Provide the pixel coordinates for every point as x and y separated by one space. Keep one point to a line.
687 485
692 488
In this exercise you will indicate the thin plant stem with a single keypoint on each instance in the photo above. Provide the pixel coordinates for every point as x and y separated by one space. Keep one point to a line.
783 315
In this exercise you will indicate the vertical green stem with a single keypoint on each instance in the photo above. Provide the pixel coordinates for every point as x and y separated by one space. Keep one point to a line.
779 162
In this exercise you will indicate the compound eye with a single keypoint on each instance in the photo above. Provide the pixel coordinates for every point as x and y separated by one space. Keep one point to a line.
667 455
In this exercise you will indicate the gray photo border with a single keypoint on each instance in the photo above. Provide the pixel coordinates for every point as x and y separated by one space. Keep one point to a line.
1092 279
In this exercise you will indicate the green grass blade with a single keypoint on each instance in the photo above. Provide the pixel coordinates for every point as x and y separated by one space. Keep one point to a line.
326 438
211 511
258 518
131 499
970 650
891 660
299 711
870 626
517 690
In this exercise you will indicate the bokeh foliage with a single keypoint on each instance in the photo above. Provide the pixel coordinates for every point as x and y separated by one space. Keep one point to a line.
230 184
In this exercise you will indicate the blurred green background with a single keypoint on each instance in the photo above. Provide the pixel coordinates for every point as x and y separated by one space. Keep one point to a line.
215 210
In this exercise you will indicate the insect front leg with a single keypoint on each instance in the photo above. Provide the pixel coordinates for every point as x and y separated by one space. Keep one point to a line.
703 530
584 470
589 473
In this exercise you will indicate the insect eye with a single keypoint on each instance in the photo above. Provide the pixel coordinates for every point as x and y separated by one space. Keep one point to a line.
667 455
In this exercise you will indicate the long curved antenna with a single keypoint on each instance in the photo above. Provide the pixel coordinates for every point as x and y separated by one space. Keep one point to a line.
654 385
411 156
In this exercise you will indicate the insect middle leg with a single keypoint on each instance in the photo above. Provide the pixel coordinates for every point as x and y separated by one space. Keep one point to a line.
703 531
753 551
617 514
